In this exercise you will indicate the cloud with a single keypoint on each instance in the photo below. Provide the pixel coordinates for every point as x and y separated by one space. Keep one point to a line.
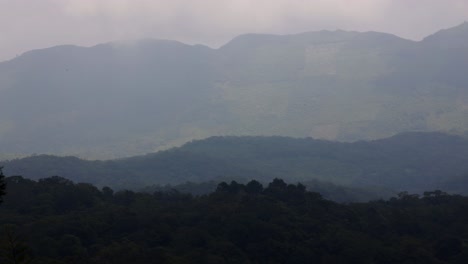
217 16
29 24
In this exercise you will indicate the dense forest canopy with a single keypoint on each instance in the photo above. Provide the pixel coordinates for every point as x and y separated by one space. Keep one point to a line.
54 220
2 184
331 146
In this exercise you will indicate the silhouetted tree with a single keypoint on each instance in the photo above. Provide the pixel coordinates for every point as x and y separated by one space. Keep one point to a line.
254 187
2 185
13 249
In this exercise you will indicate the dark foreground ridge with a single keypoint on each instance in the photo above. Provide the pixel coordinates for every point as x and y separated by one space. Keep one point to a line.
57 221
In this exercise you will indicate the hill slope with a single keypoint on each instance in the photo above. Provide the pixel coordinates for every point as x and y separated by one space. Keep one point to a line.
413 162
120 99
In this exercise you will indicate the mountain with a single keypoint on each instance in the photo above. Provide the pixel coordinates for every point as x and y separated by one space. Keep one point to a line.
411 161
72 100
126 98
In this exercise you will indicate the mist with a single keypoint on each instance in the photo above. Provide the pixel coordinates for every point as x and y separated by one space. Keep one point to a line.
27 25
215 131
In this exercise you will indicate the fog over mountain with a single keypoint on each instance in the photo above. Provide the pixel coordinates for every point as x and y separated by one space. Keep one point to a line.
124 98
221 131
27 25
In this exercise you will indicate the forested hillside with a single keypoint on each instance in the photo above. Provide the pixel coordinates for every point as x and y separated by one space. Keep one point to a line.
233 132
122 99
56 221
412 162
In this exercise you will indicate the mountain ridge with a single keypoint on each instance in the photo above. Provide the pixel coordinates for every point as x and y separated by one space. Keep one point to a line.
110 101
410 161
245 35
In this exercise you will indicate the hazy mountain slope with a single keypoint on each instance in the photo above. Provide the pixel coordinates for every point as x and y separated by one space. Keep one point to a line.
121 99
107 99
317 84
413 161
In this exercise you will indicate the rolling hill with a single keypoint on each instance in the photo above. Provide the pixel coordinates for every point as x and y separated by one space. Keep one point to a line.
122 99
413 162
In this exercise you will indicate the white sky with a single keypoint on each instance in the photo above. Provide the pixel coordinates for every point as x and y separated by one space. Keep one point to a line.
32 24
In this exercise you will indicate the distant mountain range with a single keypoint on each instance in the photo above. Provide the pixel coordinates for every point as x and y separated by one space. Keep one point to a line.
413 162
122 99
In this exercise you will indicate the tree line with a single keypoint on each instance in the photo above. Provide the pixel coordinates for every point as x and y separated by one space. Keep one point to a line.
54 220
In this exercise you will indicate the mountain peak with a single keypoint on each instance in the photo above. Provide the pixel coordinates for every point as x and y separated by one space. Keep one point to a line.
452 37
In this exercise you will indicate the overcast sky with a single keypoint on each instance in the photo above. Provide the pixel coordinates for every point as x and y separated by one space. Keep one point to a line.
32 24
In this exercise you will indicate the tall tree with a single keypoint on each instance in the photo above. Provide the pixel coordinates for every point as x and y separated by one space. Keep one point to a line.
12 248
2 185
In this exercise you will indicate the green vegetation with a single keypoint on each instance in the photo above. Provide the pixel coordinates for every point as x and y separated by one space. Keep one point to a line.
330 191
64 222
2 184
412 162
